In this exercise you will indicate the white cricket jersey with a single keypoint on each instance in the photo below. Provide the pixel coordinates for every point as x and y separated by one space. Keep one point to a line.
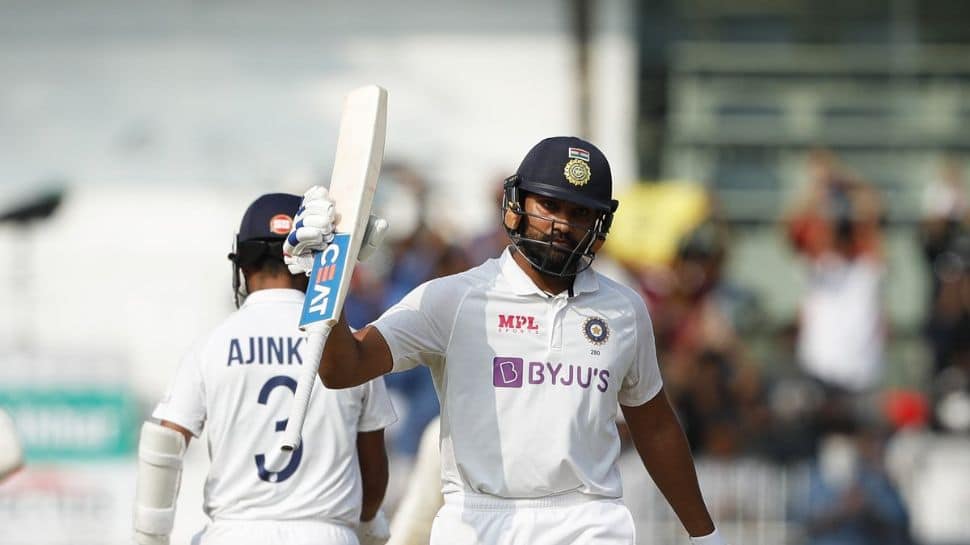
528 383
239 383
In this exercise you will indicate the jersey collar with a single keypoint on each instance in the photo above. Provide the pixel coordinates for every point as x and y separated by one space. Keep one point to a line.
274 296
521 284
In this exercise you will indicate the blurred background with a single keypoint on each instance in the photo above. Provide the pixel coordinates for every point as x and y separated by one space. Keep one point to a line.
794 210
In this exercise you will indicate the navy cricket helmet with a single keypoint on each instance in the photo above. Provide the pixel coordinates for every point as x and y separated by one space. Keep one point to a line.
263 229
570 169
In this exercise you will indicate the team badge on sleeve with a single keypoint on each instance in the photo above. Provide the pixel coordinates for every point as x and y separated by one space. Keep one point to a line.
596 330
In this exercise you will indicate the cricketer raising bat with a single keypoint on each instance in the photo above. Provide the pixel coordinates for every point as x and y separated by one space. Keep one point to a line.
360 149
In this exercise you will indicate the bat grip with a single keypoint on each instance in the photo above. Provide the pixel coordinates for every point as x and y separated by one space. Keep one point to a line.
316 339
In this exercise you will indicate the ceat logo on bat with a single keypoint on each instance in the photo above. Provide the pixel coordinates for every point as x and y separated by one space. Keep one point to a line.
328 269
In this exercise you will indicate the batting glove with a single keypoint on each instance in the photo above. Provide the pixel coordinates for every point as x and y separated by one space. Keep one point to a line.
312 230
375 531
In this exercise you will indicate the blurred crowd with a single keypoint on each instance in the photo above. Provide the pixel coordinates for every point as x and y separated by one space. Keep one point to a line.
817 397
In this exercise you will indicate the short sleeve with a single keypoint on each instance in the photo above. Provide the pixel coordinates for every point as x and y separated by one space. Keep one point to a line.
184 402
418 328
642 382
378 412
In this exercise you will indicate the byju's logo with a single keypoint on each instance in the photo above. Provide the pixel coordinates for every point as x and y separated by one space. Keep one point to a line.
507 372
512 323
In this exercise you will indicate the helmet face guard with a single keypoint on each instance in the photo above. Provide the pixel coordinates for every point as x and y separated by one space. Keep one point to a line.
543 255
239 289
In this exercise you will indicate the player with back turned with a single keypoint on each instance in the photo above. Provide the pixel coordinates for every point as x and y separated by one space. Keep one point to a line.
238 383
531 353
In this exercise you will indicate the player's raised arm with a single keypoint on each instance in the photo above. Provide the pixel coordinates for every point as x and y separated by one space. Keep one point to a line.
349 358
353 358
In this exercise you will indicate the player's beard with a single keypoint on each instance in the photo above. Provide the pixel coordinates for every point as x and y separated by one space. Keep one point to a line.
559 257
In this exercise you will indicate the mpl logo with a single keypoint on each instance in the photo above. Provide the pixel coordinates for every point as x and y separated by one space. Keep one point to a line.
515 323
507 372
328 270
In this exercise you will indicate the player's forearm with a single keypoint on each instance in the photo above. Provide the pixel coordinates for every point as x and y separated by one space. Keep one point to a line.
353 358
374 488
663 447
373 472
374 484
669 462
339 357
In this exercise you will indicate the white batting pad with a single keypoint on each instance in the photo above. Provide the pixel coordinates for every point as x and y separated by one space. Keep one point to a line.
160 453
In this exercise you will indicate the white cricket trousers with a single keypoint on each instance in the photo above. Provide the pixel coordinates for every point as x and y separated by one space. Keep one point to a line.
274 532
567 519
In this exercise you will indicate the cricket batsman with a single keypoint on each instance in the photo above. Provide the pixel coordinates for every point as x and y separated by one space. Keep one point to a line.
531 355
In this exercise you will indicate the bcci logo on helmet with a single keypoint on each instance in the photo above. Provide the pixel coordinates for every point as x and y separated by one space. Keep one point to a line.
577 169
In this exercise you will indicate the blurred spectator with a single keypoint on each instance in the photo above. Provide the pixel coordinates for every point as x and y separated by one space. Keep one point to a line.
851 499
797 402
490 243
945 237
945 198
951 393
932 471
836 228
717 391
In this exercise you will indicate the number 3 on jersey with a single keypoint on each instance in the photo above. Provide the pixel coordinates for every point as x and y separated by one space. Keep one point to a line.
297 455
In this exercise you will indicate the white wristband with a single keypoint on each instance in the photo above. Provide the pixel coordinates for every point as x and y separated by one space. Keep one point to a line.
712 538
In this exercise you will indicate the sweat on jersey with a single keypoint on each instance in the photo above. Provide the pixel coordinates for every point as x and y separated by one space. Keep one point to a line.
528 383
239 383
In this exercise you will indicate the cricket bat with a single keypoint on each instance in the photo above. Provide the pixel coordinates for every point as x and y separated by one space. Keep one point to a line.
360 149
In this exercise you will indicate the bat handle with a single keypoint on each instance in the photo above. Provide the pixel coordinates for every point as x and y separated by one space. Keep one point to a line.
316 339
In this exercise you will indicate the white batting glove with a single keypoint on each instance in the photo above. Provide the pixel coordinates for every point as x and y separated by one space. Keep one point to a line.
312 230
373 236
375 531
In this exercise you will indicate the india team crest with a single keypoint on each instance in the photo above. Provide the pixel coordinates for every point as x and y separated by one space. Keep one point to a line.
577 172
596 330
